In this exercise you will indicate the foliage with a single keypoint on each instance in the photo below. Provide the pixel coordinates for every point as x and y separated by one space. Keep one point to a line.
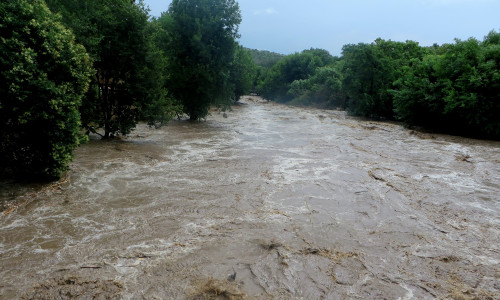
417 96
278 80
456 90
200 48
156 105
323 88
43 76
369 72
264 58
453 88
242 73
128 83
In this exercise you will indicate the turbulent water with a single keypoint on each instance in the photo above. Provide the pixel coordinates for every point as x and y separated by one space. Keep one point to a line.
272 202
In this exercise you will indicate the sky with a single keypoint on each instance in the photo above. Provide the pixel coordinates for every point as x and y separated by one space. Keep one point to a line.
288 26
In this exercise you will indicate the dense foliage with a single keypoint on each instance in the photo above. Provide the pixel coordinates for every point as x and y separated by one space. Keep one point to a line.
156 105
323 88
456 88
129 82
453 88
200 48
369 71
43 77
263 58
242 73
277 81
263 61
139 68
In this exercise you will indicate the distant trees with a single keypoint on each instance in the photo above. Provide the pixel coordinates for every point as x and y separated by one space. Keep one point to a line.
276 83
263 58
43 77
453 88
200 48
369 71
323 88
242 73
263 62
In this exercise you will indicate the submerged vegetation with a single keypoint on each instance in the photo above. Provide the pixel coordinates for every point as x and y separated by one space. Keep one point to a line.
71 67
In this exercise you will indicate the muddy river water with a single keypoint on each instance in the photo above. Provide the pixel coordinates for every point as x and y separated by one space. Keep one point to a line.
272 202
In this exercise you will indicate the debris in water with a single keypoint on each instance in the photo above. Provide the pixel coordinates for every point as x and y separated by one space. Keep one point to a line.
463 157
270 245
215 289
232 277
72 287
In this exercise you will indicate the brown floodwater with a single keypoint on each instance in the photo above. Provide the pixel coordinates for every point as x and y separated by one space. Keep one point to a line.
272 202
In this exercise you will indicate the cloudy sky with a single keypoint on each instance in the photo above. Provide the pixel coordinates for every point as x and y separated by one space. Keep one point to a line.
287 26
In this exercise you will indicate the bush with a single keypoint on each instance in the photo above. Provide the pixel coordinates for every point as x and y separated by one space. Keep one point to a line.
298 66
456 91
43 76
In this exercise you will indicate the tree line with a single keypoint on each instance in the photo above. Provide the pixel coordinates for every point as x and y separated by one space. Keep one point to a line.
453 88
69 68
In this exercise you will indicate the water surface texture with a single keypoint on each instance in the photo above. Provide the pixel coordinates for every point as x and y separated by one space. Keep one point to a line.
272 202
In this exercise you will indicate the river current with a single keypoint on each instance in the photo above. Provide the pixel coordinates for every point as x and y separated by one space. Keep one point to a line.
269 202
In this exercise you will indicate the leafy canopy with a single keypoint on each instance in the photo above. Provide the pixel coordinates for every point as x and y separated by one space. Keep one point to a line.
277 81
200 46
129 84
43 77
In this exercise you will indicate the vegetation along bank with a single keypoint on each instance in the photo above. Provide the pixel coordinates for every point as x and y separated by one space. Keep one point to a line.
70 68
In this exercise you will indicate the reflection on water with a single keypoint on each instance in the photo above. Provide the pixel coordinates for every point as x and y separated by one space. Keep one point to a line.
299 203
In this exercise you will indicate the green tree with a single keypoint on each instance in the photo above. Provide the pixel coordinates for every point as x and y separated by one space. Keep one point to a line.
200 50
454 89
156 105
297 66
116 34
418 96
369 72
43 76
489 90
264 58
323 88
242 73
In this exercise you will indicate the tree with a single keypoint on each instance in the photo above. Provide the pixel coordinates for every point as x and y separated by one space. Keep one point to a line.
369 72
200 49
489 100
418 96
157 107
264 58
43 77
115 32
242 72
323 88
297 66
454 89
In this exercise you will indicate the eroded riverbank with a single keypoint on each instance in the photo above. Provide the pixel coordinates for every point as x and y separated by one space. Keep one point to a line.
299 203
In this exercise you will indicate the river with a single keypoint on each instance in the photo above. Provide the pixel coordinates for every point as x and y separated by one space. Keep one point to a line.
272 202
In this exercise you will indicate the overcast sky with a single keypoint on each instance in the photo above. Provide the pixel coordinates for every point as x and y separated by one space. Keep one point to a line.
287 26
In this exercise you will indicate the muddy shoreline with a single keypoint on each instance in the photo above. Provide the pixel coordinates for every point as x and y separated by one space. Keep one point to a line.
272 202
